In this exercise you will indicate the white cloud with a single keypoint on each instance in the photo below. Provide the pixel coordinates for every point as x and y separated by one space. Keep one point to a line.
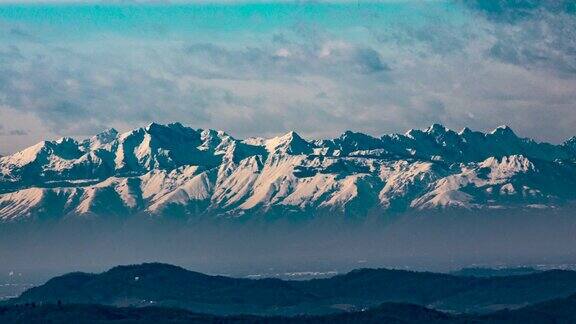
474 71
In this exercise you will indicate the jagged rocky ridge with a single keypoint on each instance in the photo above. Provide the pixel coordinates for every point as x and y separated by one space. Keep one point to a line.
176 170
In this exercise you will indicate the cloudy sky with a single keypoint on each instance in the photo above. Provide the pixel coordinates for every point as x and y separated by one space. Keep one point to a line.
262 69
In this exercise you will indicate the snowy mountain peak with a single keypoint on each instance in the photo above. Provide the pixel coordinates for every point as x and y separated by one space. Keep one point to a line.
433 130
503 130
107 135
27 155
465 131
570 143
66 141
437 129
100 140
167 169
174 131
154 125
290 143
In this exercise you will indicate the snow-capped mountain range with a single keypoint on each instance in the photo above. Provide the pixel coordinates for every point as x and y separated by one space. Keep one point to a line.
163 170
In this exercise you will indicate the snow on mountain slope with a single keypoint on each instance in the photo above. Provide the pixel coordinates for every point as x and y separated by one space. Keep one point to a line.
404 181
168 169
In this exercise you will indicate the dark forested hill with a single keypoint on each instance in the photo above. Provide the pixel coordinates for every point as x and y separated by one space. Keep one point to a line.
555 311
85 313
489 272
165 285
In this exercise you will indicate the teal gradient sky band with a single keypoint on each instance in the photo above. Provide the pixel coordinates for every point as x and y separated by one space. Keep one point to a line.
188 20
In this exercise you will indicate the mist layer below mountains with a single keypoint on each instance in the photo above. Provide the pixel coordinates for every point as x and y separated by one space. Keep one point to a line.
419 241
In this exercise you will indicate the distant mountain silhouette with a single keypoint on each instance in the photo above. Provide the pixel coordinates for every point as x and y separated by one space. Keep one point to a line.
170 286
